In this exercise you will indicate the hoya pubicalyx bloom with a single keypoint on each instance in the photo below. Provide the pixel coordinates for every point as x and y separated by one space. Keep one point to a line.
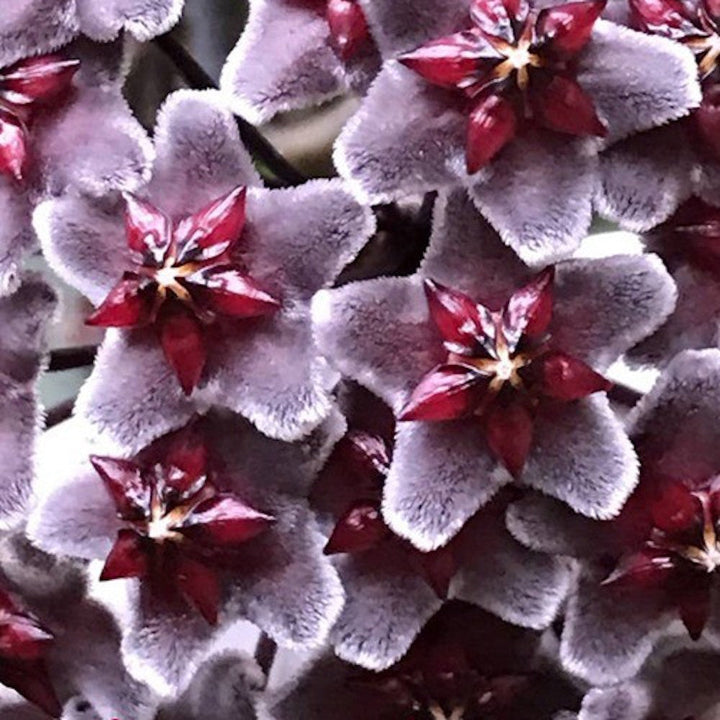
207 277
206 526
392 588
513 101
657 561
297 53
494 372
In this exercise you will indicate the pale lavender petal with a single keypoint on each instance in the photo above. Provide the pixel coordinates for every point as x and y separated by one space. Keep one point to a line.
538 195
441 474
387 605
16 238
144 19
637 81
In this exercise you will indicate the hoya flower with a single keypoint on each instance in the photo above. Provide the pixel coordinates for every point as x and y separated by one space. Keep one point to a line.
464 665
235 266
657 561
545 419
24 317
510 101
646 177
689 243
63 123
206 526
298 53
59 649
393 588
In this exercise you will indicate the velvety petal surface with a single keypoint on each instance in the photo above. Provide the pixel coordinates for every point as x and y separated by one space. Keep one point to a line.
16 238
604 307
584 441
538 195
640 187
31 27
387 605
299 65
385 154
497 573
637 81
144 19
441 474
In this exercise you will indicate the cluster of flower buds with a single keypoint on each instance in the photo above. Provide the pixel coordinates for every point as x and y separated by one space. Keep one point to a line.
377 415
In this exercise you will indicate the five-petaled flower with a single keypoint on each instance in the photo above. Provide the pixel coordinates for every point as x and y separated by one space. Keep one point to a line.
179 529
499 367
25 88
24 644
515 64
184 275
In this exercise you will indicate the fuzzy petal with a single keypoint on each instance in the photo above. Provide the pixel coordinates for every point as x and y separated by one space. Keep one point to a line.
287 558
604 307
84 241
693 325
378 333
199 153
94 144
297 241
387 605
132 396
500 575
386 154
584 441
607 637
628 701
33 27
637 81
144 19
678 417
641 187
285 61
16 238
441 474
402 25
538 195
74 515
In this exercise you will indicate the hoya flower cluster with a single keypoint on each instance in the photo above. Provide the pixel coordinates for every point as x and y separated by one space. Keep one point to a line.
374 416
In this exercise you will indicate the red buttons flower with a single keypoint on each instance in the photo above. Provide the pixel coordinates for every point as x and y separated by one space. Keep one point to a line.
499 367
179 528
365 458
184 276
681 553
348 27
25 88
23 646
514 63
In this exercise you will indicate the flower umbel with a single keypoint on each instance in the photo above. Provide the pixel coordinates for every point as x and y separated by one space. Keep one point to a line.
23 646
514 64
184 276
180 528
499 367
25 88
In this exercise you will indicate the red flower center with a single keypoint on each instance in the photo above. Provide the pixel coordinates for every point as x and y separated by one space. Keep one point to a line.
184 275
348 27
499 366
681 551
179 526
25 88
515 64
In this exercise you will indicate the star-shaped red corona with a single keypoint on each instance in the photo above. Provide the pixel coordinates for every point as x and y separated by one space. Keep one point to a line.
500 367
348 27
514 64
180 529
23 647
25 88
184 276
